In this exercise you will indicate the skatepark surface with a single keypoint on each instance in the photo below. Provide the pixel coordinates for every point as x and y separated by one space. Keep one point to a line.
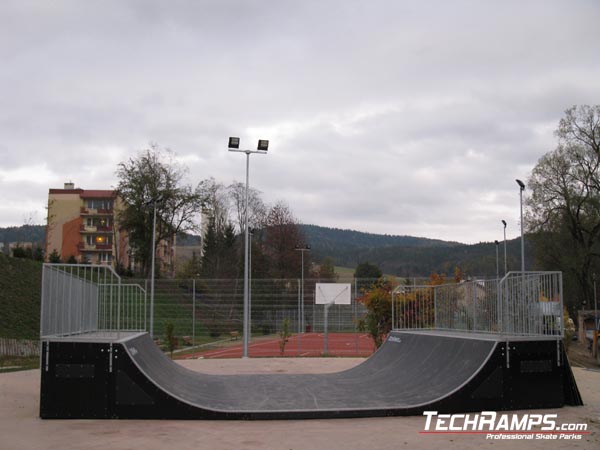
21 428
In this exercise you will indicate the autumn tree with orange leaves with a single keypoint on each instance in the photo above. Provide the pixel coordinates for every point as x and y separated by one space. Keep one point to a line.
414 308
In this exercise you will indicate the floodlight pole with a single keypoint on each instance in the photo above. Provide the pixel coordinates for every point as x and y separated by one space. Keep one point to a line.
153 201
263 145
250 284
152 273
521 189
497 261
595 302
505 266
302 249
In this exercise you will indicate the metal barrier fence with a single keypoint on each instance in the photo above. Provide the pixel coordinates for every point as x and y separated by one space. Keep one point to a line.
78 299
204 310
81 298
19 347
532 303
528 303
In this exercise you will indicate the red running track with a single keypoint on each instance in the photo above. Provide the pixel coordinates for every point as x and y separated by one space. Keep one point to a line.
307 344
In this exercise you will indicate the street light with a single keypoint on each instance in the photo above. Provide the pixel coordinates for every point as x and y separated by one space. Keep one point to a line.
250 234
302 249
521 189
153 201
234 146
497 266
505 267
595 301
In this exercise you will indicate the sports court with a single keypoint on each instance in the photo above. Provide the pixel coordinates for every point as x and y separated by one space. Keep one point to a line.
303 345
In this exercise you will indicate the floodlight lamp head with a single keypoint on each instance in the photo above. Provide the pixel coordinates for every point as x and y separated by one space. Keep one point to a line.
521 184
496 242
263 145
234 142
504 223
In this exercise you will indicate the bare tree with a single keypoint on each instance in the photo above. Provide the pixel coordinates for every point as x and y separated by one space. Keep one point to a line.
215 202
282 236
257 210
564 206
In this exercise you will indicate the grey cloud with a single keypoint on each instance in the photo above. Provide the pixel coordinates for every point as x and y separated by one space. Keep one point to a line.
390 117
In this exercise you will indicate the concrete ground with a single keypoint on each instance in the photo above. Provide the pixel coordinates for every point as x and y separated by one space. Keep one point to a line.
20 427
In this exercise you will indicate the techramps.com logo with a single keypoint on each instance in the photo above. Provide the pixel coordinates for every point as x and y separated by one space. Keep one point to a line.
503 426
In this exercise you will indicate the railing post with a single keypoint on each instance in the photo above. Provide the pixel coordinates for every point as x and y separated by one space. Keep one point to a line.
435 311
394 325
193 312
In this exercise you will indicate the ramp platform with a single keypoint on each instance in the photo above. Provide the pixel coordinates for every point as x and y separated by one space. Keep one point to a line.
128 377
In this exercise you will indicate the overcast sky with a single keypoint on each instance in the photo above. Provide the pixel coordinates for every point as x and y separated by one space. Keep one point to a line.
397 117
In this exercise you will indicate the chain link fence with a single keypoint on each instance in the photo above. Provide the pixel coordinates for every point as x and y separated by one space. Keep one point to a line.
204 310
528 303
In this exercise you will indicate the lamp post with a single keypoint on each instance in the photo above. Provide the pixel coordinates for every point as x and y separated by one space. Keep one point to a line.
497 264
302 249
595 301
521 189
153 201
250 234
234 146
505 266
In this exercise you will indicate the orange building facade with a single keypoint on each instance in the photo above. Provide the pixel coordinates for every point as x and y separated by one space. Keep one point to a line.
84 224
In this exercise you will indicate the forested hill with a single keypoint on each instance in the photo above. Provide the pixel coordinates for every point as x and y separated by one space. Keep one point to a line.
398 255
410 256
330 238
24 233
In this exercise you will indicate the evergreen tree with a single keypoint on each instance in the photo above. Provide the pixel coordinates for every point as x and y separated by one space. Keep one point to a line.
327 270
54 257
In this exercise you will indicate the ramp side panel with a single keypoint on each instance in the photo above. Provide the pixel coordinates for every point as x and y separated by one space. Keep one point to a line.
409 374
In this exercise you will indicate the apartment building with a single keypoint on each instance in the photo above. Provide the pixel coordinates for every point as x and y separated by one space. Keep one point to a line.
81 223
84 224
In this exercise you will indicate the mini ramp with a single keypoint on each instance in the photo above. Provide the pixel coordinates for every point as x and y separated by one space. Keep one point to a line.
130 378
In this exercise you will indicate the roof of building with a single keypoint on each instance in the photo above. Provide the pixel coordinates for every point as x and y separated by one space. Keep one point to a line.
91 193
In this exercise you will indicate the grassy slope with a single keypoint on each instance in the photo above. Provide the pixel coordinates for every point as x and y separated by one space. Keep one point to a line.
20 283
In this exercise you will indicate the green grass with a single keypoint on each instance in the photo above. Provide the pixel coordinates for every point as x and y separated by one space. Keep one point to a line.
20 285
344 273
17 363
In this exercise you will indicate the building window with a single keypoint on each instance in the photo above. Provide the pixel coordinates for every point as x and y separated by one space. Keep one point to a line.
105 257
98 240
100 203
98 222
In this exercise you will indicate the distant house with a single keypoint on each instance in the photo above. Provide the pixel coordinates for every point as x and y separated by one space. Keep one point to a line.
83 224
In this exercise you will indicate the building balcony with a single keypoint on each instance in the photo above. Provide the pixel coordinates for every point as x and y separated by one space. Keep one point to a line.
95 229
96 212
83 247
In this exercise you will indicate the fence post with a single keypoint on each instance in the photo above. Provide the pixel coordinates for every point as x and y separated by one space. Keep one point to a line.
393 310
355 313
119 309
193 312
435 314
